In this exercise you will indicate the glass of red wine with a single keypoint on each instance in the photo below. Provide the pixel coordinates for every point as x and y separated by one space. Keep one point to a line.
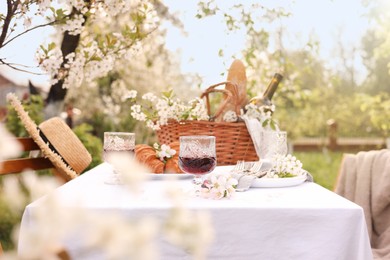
118 146
197 156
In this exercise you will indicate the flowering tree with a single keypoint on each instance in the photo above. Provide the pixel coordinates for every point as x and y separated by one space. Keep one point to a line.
153 69
95 34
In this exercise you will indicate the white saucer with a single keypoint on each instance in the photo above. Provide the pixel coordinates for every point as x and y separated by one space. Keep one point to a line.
278 182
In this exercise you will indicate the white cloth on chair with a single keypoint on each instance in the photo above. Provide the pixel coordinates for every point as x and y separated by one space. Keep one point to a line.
364 178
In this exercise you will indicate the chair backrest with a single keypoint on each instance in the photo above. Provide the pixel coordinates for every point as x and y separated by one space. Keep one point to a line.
20 164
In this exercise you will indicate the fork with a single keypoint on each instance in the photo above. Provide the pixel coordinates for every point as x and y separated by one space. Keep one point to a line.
256 166
239 167
248 169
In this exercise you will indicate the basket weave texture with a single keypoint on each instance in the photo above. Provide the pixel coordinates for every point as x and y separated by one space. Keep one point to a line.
233 141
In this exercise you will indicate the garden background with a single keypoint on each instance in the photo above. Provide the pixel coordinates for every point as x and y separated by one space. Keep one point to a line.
334 58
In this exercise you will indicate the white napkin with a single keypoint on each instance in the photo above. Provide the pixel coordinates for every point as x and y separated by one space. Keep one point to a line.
244 181
254 128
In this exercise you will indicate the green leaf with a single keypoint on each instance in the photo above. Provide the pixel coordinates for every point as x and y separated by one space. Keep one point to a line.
51 46
45 51
272 124
286 175
168 94
95 58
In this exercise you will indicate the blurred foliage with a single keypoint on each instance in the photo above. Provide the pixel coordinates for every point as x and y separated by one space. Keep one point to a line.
378 109
376 50
34 106
312 92
8 220
323 166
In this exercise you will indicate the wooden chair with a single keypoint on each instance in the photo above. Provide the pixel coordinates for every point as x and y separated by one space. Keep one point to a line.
20 164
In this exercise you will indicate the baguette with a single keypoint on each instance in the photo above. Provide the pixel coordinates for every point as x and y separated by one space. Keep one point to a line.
237 77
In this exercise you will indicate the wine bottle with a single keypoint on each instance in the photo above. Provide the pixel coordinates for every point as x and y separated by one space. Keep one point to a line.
269 92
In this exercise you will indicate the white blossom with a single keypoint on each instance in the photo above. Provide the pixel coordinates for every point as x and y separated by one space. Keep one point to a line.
77 4
218 186
164 152
132 173
50 62
132 94
161 110
230 116
190 230
285 165
262 113
9 147
27 22
75 25
149 96
137 114
43 6
116 236
121 239
13 193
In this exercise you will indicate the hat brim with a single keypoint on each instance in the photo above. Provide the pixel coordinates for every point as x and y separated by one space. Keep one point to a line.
63 169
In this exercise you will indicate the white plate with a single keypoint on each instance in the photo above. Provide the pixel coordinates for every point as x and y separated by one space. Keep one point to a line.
169 176
278 182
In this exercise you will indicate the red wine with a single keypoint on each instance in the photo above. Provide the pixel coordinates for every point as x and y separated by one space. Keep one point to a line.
201 165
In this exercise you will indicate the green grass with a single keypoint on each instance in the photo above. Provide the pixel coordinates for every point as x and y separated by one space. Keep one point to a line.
323 166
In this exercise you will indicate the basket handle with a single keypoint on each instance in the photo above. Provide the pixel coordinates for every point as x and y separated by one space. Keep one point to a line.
213 89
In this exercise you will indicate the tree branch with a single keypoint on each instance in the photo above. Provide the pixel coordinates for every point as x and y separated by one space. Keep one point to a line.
7 21
26 31
14 66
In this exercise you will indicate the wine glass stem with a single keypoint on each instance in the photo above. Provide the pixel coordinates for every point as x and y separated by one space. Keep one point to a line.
197 181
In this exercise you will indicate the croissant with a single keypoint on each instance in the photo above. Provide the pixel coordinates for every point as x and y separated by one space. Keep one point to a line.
175 146
146 155
172 165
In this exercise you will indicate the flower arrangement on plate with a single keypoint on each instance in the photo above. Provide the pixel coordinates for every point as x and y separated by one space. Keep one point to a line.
285 166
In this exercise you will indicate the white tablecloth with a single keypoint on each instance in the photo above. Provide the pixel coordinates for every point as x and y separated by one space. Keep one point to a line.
301 222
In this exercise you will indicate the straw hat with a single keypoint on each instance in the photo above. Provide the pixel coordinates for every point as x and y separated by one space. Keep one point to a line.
57 142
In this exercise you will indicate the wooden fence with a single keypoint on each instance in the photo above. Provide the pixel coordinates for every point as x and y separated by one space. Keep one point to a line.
335 143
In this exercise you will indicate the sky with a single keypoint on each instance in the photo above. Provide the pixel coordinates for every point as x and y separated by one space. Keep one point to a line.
199 47
325 19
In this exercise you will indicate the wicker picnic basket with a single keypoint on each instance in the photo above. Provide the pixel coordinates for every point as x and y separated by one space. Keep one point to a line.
233 141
